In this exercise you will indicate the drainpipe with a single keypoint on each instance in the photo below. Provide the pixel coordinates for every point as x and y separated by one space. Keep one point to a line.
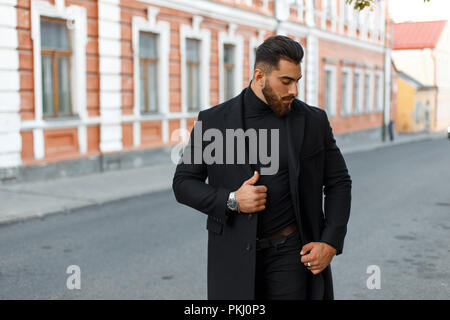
387 74
433 56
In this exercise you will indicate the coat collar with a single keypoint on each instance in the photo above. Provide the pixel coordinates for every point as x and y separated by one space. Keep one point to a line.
295 124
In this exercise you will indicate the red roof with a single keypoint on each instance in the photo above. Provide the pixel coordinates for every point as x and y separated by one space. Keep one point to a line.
417 35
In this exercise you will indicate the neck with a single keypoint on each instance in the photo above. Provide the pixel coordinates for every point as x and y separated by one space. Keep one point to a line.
257 91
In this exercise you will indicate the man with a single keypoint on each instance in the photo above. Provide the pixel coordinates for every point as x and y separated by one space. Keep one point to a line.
268 235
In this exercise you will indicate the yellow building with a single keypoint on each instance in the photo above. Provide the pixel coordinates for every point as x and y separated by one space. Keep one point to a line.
416 105
421 52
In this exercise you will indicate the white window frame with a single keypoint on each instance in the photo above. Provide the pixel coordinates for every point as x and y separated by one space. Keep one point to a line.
238 42
333 95
359 104
204 36
162 30
253 44
371 108
379 107
76 17
347 110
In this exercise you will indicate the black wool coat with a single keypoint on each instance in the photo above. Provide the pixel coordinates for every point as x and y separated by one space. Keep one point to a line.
319 182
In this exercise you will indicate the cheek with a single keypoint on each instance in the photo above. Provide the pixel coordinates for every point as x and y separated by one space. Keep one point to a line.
278 91
282 91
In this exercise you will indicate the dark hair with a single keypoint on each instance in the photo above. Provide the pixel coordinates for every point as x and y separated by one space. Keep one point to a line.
274 48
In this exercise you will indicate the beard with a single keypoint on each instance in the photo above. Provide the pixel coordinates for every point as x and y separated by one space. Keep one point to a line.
278 106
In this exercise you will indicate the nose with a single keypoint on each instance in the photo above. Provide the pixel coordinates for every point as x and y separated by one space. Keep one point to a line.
293 90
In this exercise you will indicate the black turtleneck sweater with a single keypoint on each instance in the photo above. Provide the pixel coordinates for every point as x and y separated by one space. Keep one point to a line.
279 211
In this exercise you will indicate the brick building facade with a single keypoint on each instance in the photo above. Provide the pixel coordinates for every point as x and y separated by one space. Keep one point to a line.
83 78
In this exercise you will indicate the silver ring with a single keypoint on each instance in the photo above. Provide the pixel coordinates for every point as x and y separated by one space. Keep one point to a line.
308 264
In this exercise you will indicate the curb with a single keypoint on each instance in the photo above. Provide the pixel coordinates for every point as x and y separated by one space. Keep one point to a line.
391 144
68 210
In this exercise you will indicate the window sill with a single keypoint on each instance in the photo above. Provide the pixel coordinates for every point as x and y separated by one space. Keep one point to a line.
62 119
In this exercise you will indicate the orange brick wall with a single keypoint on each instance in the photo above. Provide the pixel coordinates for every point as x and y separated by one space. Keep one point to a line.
63 143
338 51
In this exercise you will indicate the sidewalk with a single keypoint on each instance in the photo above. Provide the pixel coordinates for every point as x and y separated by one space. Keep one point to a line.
33 200
359 145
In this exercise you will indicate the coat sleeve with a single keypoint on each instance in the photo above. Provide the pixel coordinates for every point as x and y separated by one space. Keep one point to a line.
337 192
189 184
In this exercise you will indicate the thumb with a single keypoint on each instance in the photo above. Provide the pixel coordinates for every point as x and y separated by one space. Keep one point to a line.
253 179
307 247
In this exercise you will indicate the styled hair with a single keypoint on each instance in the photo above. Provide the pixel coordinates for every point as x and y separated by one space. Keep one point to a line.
275 48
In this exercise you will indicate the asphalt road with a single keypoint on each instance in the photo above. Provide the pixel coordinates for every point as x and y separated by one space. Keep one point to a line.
154 248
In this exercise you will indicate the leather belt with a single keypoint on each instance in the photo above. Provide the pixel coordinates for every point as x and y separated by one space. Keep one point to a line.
276 238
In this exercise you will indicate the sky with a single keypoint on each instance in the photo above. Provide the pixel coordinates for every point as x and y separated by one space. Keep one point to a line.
418 10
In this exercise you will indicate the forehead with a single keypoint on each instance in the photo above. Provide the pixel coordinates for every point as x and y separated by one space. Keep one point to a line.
288 68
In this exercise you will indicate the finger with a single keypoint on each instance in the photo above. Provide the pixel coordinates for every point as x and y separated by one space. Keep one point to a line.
261 202
315 268
260 208
313 265
253 179
306 248
307 258
261 189
260 196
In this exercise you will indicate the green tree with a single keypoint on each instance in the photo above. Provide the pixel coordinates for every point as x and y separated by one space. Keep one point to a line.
361 4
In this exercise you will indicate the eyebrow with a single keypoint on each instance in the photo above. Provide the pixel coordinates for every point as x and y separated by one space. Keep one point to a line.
290 78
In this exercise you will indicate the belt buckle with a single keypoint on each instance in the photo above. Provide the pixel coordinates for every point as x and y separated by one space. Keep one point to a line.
278 243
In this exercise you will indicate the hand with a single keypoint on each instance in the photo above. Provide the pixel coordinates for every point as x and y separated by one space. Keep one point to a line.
318 254
251 198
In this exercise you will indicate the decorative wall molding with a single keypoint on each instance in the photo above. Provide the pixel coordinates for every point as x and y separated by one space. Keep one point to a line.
77 26
10 138
109 37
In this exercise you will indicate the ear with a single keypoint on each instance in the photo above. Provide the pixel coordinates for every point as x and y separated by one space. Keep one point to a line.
260 77
258 74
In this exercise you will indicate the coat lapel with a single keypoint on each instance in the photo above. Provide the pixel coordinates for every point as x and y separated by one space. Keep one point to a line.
295 127
233 119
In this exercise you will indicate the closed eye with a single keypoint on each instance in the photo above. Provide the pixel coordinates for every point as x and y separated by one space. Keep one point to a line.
289 80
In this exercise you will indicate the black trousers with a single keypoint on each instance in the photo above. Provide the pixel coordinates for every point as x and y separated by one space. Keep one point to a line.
280 274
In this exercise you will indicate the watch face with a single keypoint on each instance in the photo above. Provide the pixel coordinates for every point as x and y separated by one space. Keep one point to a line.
232 204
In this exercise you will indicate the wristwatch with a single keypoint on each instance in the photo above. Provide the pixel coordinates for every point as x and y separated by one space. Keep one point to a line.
232 203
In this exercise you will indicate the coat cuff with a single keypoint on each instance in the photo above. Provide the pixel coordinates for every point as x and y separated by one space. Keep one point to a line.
221 211
332 241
